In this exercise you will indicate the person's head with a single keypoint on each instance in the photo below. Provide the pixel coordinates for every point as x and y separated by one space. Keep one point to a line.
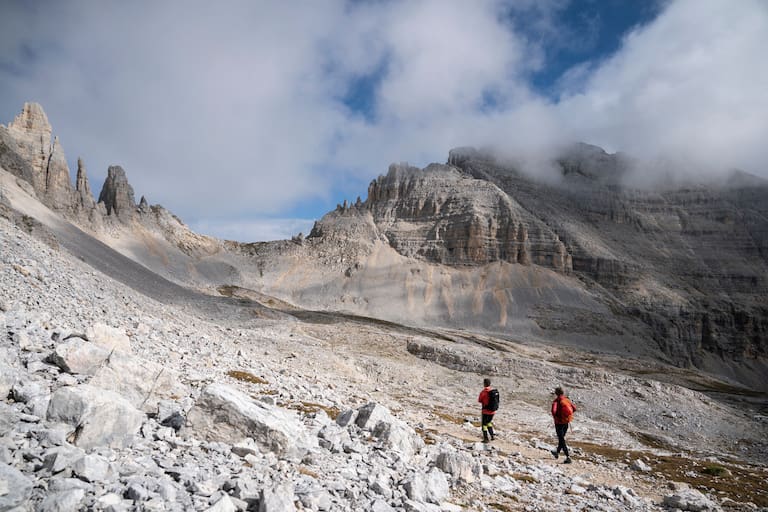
559 391
486 382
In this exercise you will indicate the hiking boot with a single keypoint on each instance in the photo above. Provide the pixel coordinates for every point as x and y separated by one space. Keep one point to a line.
554 453
567 460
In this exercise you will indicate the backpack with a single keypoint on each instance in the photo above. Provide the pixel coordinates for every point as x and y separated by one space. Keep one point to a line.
564 409
493 400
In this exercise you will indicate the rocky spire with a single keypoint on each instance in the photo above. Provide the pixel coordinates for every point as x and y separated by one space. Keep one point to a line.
50 172
58 188
32 133
144 205
83 196
117 194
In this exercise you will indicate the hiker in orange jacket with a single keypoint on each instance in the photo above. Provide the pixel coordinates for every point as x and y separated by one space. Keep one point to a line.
562 412
489 398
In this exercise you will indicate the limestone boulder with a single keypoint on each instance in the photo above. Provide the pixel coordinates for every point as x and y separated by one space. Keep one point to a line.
108 337
15 488
429 487
459 465
143 383
98 417
79 356
690 499
228 415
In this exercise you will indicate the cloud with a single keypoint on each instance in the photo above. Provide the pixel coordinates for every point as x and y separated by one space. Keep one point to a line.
255 111
689 86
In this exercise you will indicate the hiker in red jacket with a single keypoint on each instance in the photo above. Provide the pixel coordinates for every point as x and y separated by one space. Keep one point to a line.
562 412
489 398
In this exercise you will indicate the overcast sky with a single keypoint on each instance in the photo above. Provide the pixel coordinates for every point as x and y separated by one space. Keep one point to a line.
251 119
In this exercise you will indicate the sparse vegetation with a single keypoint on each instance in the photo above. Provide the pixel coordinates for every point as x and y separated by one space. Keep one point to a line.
244 376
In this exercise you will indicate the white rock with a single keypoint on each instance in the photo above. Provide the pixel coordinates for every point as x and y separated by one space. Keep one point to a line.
397 436
98 417
223 505
92 468
64 501
108 337
16 488
225 414
142 382
432 487
690 499
459 465
78 356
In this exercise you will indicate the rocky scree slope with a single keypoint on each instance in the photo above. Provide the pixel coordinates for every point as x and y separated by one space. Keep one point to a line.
113 401
677 274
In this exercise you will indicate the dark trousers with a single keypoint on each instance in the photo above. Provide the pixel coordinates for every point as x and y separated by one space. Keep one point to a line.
487 425
561 430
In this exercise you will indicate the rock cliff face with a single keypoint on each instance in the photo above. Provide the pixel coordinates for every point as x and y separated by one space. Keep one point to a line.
690 262
446 216
50 174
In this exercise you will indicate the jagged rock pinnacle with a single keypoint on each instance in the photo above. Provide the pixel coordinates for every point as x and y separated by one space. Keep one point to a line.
83 196
117 194
50 173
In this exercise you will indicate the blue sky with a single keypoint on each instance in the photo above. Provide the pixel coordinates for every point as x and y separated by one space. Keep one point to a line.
250 120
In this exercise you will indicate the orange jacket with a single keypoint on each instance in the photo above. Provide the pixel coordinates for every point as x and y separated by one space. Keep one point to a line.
562 415
483 399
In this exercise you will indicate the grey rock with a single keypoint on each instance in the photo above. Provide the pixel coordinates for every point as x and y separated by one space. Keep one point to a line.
136 492
369 415
639 465
8 377
8 418
60 484
225 414
246 488
15 488
98 417
346 417
92 468
398 436
277 499
64 501
59 458
25 389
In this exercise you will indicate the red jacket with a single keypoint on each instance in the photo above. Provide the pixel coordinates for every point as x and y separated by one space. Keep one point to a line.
562 410
483 399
